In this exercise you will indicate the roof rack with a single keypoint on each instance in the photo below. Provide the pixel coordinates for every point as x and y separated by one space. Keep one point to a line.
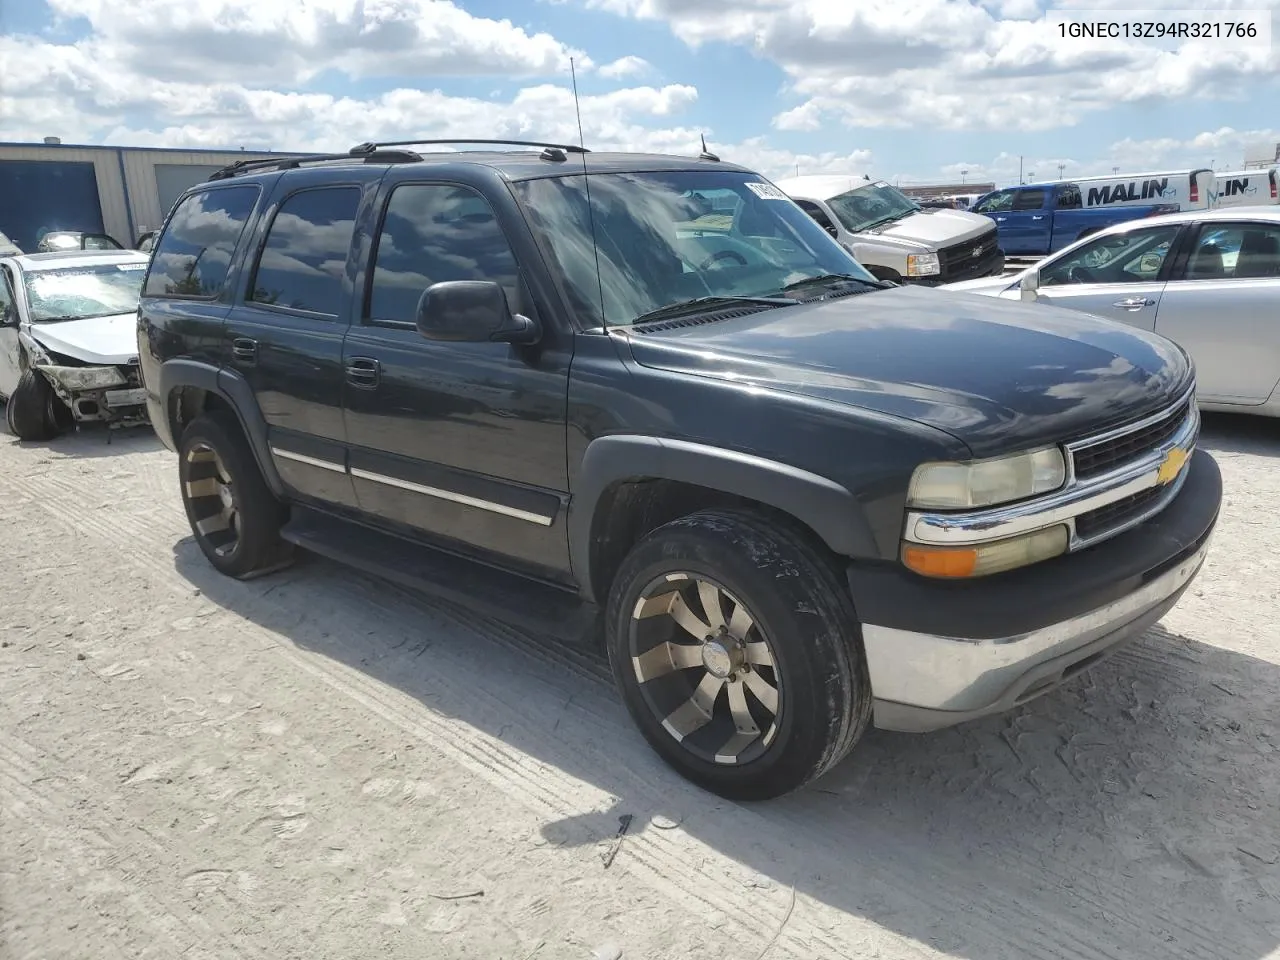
555 152
290 163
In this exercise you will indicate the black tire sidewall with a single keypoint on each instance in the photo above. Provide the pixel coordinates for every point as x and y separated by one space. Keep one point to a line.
27 413
812 632
260 514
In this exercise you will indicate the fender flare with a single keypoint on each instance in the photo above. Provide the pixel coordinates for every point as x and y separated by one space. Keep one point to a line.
236 392
827 508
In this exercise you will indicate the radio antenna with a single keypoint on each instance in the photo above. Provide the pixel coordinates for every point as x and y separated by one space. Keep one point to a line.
586 183
576 108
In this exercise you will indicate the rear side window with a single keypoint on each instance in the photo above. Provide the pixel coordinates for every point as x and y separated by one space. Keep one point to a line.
305 255
193 256
1029 200
1069 198
433 233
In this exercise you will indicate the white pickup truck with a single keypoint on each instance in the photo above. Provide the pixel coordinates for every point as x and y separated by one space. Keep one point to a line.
893 236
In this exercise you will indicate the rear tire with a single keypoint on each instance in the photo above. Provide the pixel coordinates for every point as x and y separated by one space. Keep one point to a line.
725 599
234 516
30 413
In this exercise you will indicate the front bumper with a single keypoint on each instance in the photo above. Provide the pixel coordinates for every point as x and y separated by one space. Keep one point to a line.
941 653
991 265
99 393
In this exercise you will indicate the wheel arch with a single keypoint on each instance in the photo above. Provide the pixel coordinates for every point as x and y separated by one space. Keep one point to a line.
189 388
630 485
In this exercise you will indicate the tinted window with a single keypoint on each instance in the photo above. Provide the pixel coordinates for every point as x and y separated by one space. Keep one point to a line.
1029 200
194 254
1132 257
305 255
1002 200
1069 198
433 233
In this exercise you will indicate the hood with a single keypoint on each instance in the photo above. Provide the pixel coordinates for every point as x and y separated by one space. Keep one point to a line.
997 375
102 340
936 228
988 286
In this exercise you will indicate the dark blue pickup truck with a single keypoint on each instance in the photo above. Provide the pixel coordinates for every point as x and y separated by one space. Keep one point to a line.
1040 218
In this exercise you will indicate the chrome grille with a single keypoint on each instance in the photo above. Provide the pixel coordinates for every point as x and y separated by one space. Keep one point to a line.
1117 514
1093 458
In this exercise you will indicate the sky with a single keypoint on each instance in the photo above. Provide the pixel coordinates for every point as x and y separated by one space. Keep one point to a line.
907 90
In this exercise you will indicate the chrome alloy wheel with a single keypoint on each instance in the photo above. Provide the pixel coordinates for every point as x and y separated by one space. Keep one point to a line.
705 668
212 495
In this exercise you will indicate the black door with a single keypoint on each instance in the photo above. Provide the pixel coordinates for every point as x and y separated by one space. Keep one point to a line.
284 335
463 442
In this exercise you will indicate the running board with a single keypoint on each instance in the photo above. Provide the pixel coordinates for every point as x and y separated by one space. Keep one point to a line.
516 600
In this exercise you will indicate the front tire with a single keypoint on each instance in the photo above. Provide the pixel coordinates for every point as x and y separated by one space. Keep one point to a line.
30 413
234 516
737 652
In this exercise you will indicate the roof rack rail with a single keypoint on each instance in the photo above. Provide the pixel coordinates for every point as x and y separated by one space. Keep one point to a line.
291 163
551 151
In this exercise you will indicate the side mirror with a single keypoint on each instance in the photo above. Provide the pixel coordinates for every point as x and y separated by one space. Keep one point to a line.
1028 285
472 311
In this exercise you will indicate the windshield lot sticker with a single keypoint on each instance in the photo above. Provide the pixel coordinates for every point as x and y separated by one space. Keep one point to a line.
766 191
131 266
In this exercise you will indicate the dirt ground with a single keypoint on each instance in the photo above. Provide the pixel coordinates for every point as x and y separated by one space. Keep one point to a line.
318 765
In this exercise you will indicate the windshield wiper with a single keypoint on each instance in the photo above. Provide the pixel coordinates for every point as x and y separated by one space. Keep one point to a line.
831 278
700 303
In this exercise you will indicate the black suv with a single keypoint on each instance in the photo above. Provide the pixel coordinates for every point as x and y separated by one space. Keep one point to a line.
647 397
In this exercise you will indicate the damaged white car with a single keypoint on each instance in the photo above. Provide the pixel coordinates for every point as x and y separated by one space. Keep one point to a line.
68 340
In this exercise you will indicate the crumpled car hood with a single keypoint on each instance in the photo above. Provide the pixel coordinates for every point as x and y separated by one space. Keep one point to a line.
100 340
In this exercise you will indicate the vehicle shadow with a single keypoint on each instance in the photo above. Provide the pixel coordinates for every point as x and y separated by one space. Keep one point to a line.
1240 433
93 441
1133 813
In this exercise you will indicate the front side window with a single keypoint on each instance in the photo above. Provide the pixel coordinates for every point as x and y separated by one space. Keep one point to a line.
74 293
194 255
658 244
871 205
994 202
819 215
433 233
305 254
1133 257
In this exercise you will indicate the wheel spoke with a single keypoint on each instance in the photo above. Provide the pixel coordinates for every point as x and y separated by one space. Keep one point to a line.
694 713
758 653
710 595
740 622
214 524
654 606
766 693
666 658
682 615
208 487
746 729
219 466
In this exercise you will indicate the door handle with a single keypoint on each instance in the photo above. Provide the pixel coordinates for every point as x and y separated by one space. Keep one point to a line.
1038 217
364 372
1001 219
242 348
1134 303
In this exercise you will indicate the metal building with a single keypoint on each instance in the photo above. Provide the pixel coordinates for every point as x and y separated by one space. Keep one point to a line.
121 191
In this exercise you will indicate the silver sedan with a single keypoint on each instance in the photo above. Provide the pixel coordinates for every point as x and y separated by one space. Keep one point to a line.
1207 279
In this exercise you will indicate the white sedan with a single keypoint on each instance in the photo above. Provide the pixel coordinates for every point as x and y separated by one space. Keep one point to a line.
1208 280
68 340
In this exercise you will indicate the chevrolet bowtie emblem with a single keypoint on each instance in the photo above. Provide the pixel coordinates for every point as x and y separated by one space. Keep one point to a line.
1172 465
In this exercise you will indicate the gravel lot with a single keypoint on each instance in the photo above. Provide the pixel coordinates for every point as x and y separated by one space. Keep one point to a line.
318 765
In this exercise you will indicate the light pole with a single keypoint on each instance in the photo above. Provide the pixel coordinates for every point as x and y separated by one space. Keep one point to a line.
1061 167
1115 169
963 174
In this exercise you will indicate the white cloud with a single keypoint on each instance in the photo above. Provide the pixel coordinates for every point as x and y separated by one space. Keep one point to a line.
625 67
278 42
954 64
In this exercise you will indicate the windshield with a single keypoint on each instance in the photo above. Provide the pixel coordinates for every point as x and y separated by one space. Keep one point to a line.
73 293
669 238
869 206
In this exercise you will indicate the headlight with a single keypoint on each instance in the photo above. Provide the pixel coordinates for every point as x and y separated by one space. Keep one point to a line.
984 483
923 265
985 559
